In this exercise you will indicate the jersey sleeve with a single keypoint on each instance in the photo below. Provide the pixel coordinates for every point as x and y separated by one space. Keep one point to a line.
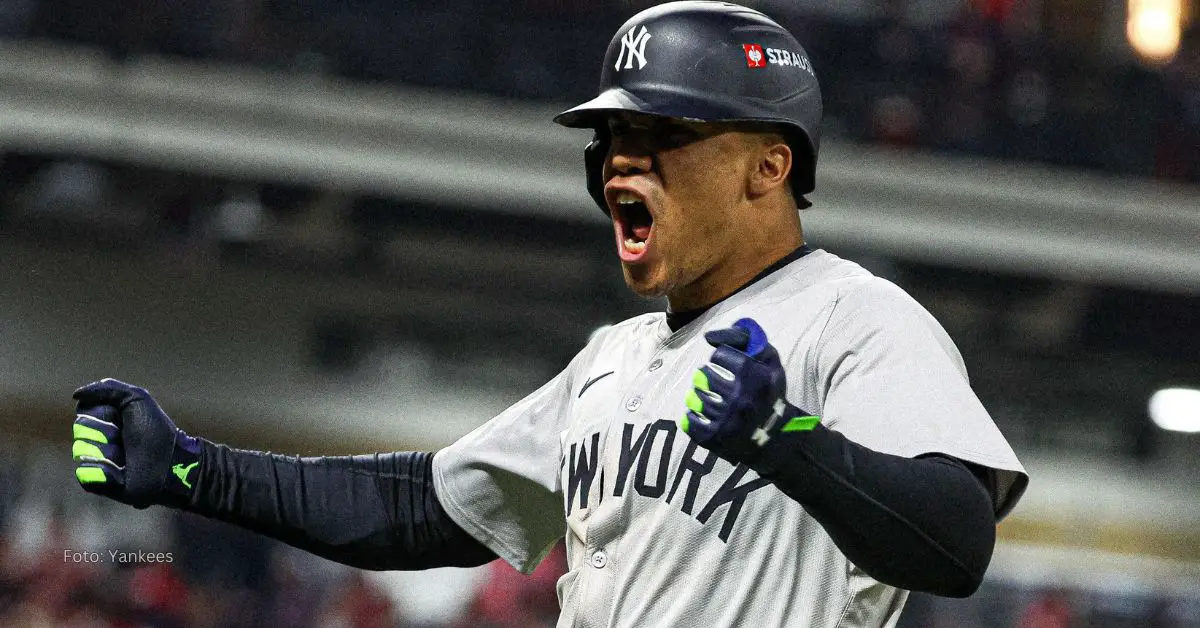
500 482
895 382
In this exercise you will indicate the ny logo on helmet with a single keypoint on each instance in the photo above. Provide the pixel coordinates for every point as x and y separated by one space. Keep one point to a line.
633 46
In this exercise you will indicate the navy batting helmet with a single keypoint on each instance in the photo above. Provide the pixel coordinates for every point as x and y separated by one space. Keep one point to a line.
711 62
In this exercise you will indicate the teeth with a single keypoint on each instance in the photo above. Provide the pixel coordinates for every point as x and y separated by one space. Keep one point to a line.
627 198
634 246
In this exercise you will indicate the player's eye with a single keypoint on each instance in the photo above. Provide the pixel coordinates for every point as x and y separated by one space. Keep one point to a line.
658 137
676 135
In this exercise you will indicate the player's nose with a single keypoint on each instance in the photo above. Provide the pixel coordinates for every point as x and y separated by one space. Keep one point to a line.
626 158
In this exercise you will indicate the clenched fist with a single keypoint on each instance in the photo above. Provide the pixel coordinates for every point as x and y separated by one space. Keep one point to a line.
128 449
737 401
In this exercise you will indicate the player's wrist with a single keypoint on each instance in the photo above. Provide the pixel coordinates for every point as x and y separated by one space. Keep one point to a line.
780 454
783 423
184 472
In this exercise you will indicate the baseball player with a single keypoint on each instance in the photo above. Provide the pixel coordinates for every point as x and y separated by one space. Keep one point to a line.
795 443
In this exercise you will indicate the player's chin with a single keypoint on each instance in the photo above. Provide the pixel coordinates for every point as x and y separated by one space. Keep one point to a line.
645 280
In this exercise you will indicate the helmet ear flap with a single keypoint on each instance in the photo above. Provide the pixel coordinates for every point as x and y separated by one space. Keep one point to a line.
593 160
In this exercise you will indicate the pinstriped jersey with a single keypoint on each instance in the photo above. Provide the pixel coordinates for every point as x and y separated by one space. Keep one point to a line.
660 531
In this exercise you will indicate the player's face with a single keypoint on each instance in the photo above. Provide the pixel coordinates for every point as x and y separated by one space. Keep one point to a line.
673 188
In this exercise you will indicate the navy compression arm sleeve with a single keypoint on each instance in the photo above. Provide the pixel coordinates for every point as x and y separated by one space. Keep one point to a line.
923 524
375 511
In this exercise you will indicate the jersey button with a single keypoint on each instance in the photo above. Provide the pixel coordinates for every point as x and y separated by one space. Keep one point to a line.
633 403
599 559
655 364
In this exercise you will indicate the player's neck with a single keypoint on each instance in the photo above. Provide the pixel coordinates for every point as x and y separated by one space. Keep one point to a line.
760 232
722 282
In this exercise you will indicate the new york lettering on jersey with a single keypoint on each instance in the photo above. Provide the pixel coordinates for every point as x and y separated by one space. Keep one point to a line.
656 463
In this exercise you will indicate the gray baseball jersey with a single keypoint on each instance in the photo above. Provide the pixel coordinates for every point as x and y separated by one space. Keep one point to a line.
660 532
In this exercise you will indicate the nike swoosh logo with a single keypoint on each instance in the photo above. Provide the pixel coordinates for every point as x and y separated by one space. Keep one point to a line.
593 381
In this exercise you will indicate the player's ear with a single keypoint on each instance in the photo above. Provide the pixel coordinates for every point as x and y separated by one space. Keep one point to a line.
771 166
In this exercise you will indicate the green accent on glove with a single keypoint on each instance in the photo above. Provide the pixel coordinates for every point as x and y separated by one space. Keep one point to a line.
801 424
685 423
700 380
88 433
181 471
81 449
90 475
693 402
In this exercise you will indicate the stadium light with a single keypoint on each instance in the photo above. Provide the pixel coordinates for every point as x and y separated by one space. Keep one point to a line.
1153 28
1176 409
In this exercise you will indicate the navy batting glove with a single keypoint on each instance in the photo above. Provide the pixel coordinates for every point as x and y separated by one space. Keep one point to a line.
128 449
737 404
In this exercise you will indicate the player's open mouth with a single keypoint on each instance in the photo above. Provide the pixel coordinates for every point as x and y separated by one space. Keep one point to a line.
634 225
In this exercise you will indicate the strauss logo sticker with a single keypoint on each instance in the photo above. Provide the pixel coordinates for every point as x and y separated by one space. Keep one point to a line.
754 56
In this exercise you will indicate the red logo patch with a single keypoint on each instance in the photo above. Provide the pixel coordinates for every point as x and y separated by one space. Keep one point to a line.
754 56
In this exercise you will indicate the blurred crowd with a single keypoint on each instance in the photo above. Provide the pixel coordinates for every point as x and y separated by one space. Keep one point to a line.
990 77
221 577
71 560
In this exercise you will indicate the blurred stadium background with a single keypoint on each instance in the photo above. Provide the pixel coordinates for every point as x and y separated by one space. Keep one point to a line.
339 226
